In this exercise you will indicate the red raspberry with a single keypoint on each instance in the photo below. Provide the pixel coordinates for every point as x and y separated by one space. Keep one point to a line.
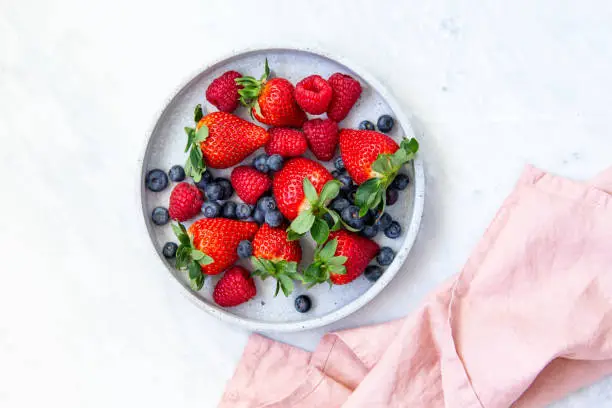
286 142
234 288
249 183
346 92
313 94
223 91
185 202
322 136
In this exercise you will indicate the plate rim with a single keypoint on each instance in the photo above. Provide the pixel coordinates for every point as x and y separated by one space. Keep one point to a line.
402 253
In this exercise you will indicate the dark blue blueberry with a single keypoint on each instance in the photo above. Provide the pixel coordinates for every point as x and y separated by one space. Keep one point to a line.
339 164
214 191
369 231
303 303
266 204
245 249
160 216
226 186
261 163
338 204
351 217
156 180
346 181
384 221
373 273
211 209
385 256
385 123
169 250
207 177
335 174
328 219
275 162
400 182
229 209
274 218
370 217
394 230
392 196
350 194
259 216
176 173
366 125
243 211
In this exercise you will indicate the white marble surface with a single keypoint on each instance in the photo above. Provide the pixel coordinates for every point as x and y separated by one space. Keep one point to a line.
89 317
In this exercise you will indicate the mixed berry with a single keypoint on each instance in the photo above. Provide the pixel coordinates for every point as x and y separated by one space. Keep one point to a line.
261 213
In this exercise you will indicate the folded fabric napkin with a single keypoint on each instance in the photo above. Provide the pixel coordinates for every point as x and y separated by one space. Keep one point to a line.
527 320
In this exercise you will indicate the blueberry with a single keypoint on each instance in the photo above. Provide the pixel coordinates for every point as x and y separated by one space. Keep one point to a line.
350 215
259 216
160 216
176 173
338 204
229 209
303 303
275 162
350 194
394 230
373 273
384 221
370 217
226 186
207 177
335 174
346 181
274 218
245 249
261 163
385 256
211 209
243 211
214 191
169 250
366 125
400 182
339 164
156 180
385 123
328 219
370 231
266 204
392 196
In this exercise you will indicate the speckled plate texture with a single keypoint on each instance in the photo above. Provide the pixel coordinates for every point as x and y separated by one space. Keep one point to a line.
165 146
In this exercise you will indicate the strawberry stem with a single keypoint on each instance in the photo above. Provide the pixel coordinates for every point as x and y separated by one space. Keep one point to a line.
190 259
195 166
324 264
284 272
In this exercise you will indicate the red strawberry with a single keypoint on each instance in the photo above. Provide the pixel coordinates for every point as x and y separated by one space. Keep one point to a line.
272 101
373 160
249 183
346 92
274 255
322 136
286 142
342 259
313 94
185 202
223 91
230 139
234 288
287 184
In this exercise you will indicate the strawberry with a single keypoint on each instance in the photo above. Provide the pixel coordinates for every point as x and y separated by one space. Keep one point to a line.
373 160
234 288
209 246
274 255
313 94
223 91
322 136
341 260
249 183
271 101
286 142
185 202
346 92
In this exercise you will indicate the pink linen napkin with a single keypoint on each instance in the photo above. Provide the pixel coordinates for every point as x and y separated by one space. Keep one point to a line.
527 320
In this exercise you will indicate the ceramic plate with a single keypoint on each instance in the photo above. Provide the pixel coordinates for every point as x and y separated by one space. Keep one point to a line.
165 146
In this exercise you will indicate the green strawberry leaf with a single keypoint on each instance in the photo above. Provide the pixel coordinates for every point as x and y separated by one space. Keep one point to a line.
410 145
196 277
366 190
336 218
382 165
328 250
303 222
190 137
277 288
292 235
330 191
198 113
319 231
309 191
337 260
337 269
201 134
266 73
197 255
286 284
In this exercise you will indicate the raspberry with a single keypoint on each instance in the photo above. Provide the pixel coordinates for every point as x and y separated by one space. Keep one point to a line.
185 202
286 142
313 94
346 92
223 92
